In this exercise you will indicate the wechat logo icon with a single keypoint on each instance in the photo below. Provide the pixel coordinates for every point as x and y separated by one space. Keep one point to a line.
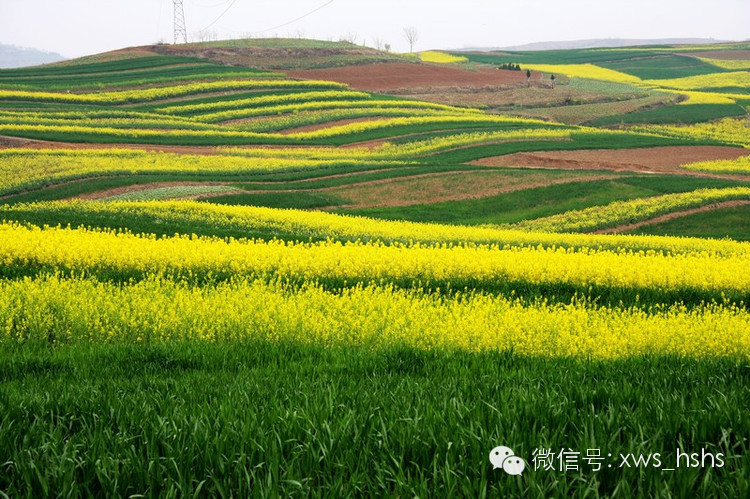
503 457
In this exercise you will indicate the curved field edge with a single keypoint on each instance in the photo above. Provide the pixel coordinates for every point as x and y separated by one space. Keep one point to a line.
633 211
727 222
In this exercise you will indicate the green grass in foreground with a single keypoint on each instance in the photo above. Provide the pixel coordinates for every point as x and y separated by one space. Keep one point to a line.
282 419
725 222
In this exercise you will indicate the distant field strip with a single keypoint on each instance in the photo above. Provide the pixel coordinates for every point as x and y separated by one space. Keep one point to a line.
156 61
264 100
689 85
729 131
134 78
628 212
151 94
235 114
24 169
727 63
170 132
584 71
175 192
734 166
716 80
435 56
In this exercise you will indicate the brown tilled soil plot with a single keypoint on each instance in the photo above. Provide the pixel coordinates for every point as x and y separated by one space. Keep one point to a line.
648 160
399 77
726 55
117 191
446 186
506 98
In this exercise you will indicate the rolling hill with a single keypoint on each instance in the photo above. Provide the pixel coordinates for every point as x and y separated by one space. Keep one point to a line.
292 267
17 57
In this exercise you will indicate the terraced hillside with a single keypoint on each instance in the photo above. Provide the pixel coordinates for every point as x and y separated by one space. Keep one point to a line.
236 268
679 84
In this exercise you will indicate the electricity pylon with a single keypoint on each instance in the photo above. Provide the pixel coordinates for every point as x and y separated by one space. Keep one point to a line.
180 30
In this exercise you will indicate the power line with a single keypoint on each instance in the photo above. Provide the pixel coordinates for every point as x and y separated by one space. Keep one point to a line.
295 20
212 6
222 15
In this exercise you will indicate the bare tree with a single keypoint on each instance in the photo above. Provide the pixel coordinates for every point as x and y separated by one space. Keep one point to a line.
412 36
350 37
378 42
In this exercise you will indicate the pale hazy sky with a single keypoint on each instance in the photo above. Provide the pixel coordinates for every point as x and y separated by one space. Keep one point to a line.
79 27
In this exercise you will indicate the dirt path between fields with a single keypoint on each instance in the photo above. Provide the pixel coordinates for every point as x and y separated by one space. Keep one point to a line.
659 160
127 189
671 216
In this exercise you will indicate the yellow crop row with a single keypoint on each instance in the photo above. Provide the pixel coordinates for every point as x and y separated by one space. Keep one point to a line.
155 122
234 114
713 80
727 63
635 210
584 71
205 135
149 94
728 130
299 119
265 100
707 98
367 126
118 254
437 57
737 166
77 310
320 225
436 144
24 168
416 148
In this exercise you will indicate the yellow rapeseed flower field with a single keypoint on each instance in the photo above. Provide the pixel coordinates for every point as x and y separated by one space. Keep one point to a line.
150 94
156 310
584 71
740 166
26 168
712 80
727 63
728 130
82 251
435 56
321 225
